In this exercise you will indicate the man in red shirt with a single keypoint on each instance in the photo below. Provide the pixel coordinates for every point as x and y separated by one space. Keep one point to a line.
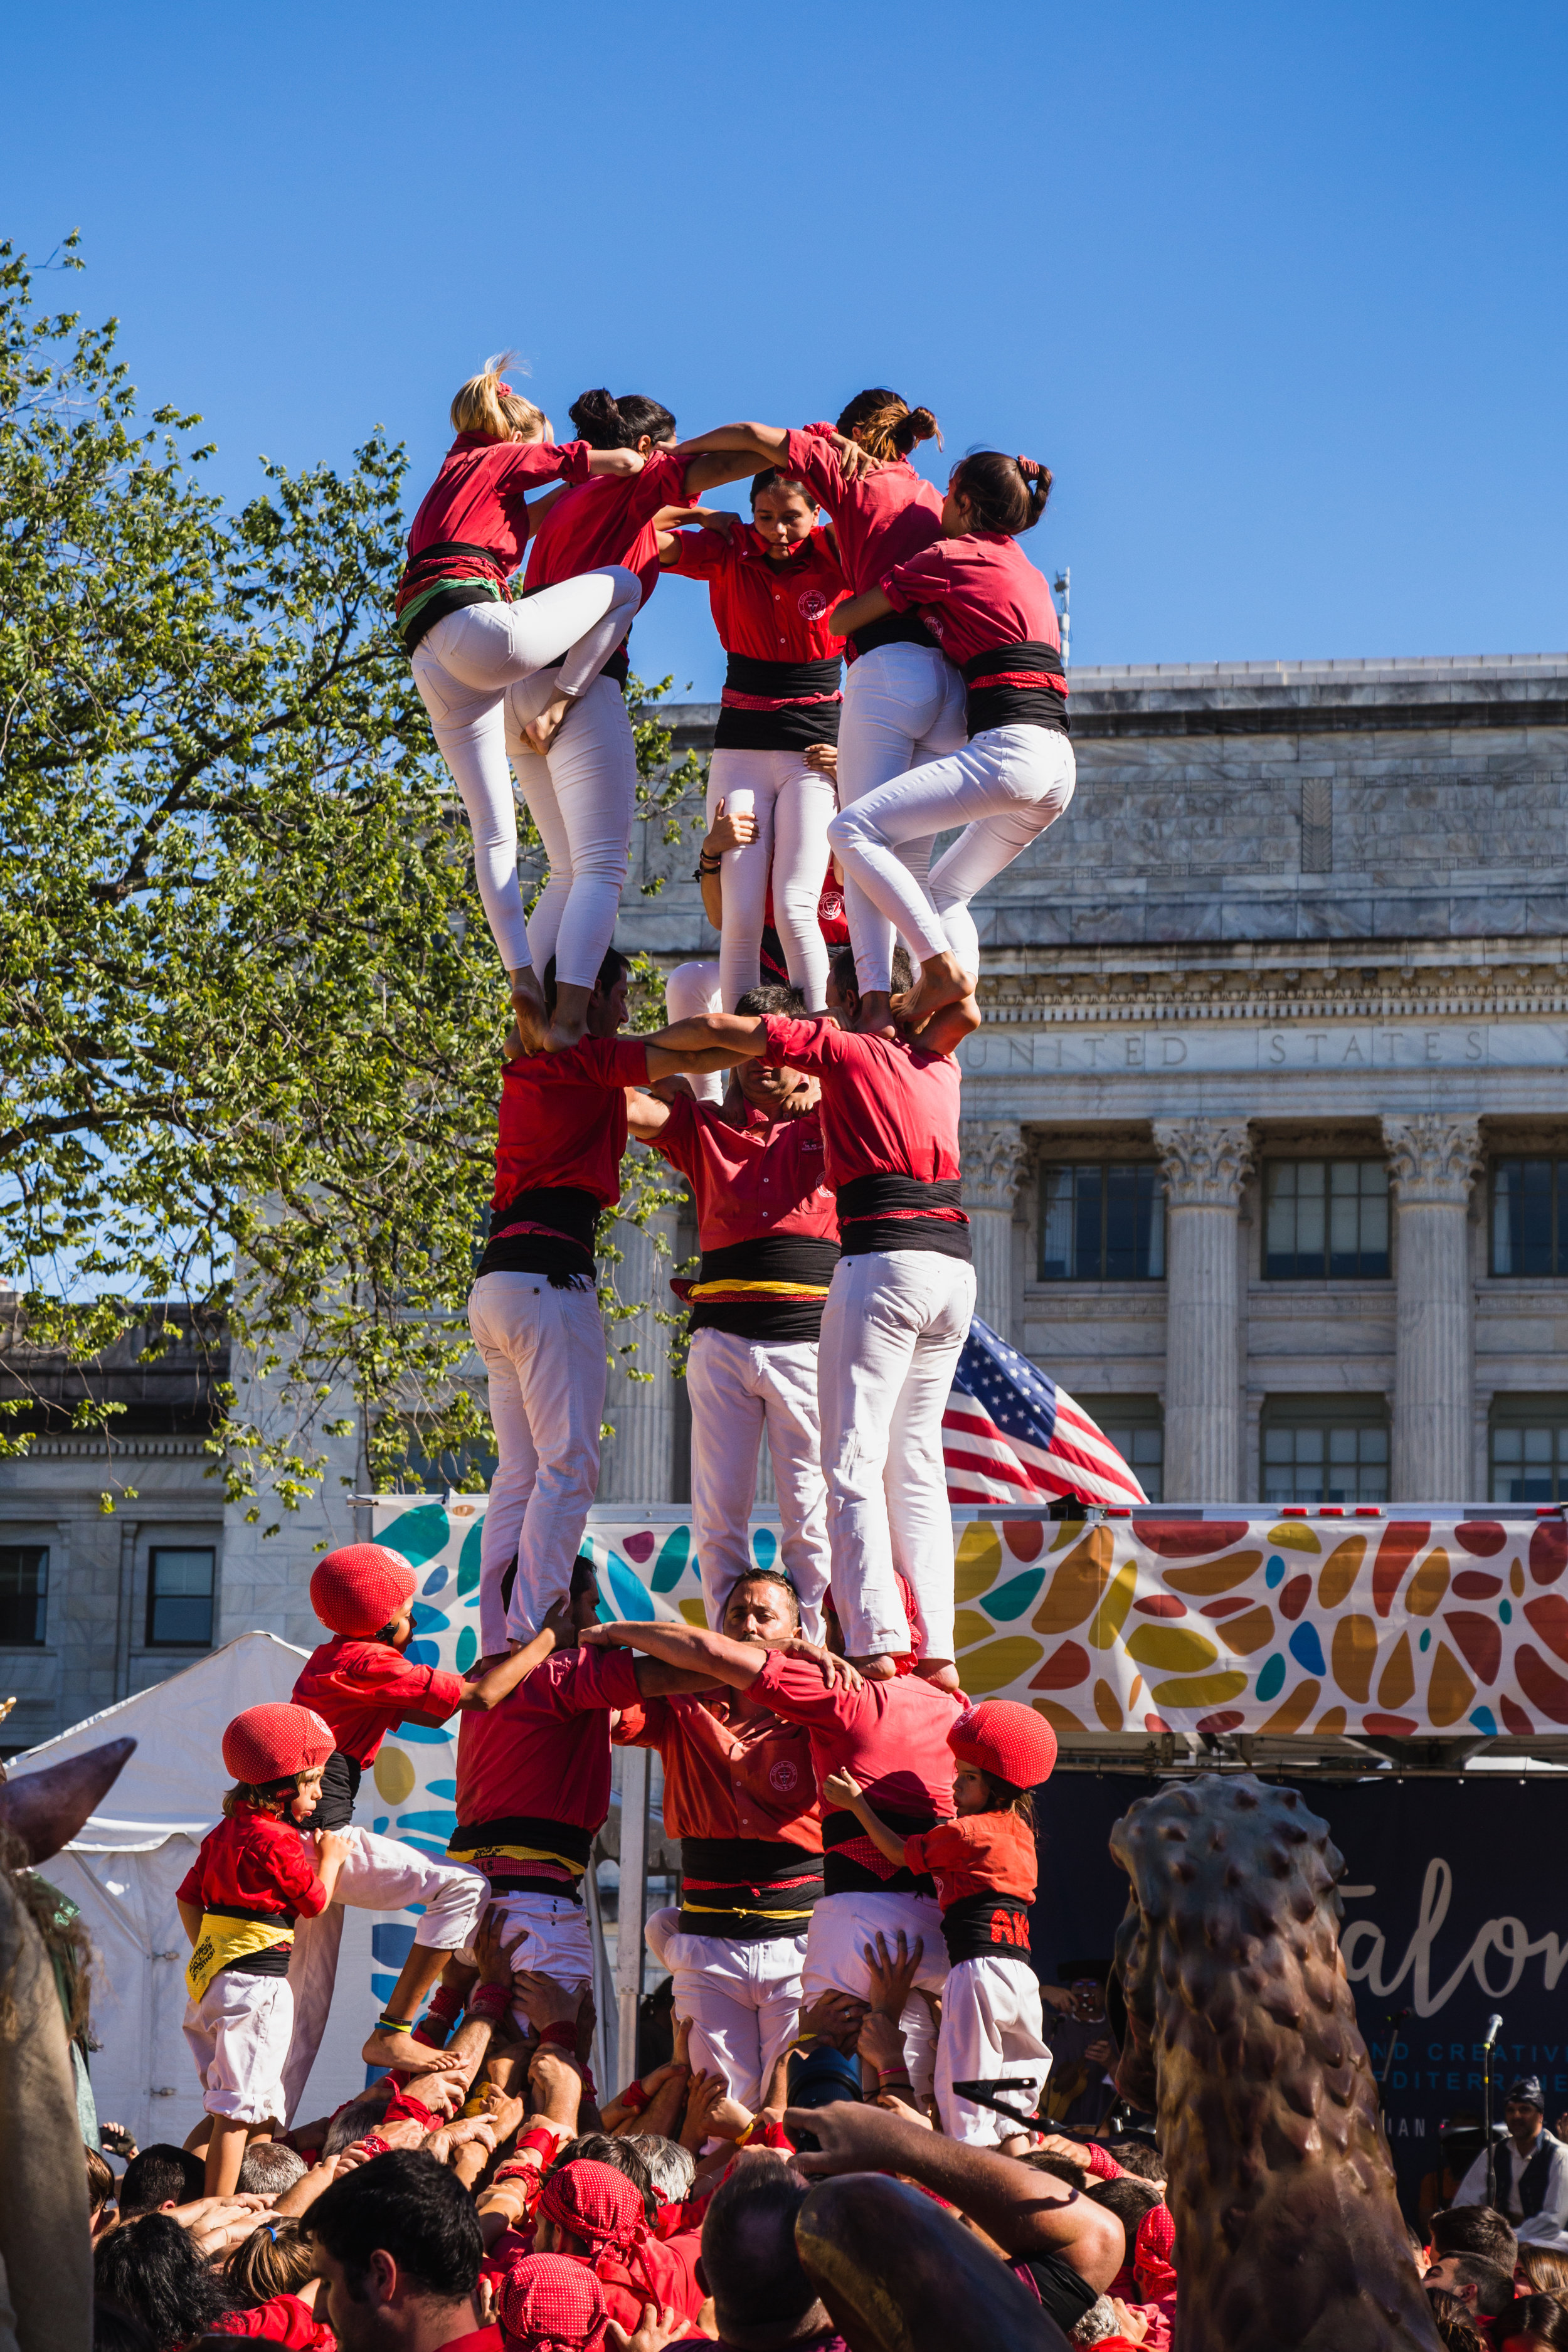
897 1311
768 1228
534 1310
398 2250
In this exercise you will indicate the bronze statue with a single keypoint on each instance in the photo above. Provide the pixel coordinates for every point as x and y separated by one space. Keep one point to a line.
901 2273
1242 2038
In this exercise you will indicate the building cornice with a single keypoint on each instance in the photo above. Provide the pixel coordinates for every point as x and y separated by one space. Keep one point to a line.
1055 987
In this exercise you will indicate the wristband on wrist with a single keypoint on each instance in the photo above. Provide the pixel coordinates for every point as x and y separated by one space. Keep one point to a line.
634 2096
489 2003
560 2035
390 2026
1103 2165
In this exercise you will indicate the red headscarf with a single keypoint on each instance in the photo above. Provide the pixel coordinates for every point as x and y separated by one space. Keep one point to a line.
552 2303
601 2205
1151 2252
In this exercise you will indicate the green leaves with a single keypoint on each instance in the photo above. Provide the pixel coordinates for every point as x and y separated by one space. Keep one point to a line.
250 1014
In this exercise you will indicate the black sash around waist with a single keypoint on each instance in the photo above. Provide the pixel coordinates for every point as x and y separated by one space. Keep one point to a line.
800 1266
987 1926
748 1890
431 564
566 1263
525 1873
619 664
273 1959
998 693
902 1213
843 1874
809 691
894 629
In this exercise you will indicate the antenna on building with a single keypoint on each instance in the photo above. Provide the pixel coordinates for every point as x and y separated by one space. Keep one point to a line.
1062 583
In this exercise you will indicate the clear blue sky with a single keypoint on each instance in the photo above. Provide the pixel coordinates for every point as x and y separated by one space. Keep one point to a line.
1277 292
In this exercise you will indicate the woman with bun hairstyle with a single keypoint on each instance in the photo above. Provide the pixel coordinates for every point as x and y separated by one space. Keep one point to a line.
903 701
772 585
574 755
468 642
990 609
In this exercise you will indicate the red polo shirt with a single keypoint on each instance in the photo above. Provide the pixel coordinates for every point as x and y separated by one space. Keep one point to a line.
480 498
976 1854
887 1108
768 1176
771 612
881 519
563 1118
544 1756
724 1777
362 1689
254 1861
608 521
891 1735
975 594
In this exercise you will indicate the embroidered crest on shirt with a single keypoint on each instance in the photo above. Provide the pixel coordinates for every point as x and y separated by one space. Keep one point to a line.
783 1775
811 604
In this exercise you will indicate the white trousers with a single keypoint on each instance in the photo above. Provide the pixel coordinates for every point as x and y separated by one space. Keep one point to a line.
463 668
892 1331
842 1926
690 989
549 1934
239 2034
991 2025
792 804
740 1390
743 1999
1004 787
544 1352
902 705
378 1873
582 794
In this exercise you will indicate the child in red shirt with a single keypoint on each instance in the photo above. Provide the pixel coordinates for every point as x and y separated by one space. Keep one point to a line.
363 1685
984 1866
255 1876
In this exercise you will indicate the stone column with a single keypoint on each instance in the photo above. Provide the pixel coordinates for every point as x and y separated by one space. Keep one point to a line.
1205 1163
1434 1160
993 1155
639 1460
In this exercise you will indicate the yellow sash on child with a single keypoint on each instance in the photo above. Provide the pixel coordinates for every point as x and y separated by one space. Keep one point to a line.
225 1940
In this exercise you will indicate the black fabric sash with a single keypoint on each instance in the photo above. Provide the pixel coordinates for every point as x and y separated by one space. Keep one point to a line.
280 1920
788 681
1044 660
794 728
867 1226
843 1874
776 1258
894 629
772 1257
565 1264
987 1926
994 698
568 1839
450 600
433 563
747 1890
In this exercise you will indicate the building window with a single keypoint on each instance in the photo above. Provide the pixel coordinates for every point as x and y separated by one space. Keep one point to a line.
1529 1449
180 1597
1325 1217
1525 1220
1325 1450
1136 1427
24 1594
1102 1222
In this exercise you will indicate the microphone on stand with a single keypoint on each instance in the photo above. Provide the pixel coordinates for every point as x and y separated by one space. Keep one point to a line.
1494 2027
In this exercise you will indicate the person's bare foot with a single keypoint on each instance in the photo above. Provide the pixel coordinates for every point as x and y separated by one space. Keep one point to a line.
561 1035
542 731
408 2056
878 1669
943 981
528 1008
875 1018
941 1671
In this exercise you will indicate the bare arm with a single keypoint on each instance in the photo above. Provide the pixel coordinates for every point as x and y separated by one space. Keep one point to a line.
760 444
646 1116
539 508
693 1649
948 1027
858 612
843 1788
190 1918
486 1691
735 1036
658 1679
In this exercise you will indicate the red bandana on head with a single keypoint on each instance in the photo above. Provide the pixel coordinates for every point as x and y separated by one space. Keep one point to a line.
1151 2252
599 2205
552 2303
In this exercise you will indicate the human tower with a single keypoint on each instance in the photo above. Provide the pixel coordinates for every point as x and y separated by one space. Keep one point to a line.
841 1805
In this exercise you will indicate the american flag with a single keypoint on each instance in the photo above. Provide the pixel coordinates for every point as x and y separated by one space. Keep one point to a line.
1010 1436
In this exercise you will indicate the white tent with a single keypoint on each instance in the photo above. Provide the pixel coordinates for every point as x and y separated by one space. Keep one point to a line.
122 1870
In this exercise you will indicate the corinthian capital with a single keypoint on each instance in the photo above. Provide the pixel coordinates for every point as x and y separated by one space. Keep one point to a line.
993 1155
1206 1160
1432 1157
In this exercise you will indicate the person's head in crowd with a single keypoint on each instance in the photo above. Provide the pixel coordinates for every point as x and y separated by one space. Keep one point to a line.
591 2209
602 2147
1546 2270
1483 2288
1128 2199
782 509
155 2274
1524 2112
763 2299
607 1003
269 2168
1060 2167
100 2192
1002 1751
672 2168
1455 2333
162 2175
1418 2253
782 1092
1086 1980
1097 2322
114 2330
1536 2323
844 986
550 2303
353 2122
1475 2230
1136 2157
762 1607
398 2251
276 2259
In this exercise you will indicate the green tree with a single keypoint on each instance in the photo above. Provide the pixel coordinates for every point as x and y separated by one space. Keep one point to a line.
250 1014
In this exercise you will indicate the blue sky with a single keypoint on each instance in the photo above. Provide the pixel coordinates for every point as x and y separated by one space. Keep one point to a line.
1277 292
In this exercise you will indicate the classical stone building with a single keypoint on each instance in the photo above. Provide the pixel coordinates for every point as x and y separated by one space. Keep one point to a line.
1265 1136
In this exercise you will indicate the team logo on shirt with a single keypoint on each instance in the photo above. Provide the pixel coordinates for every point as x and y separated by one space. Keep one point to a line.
812 604
783 1776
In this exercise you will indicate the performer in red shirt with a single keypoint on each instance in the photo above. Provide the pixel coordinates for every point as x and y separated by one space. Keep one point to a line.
980 595
468 642
892 1735
897 1312
903 699
772 585
574 759
768 1228
534 1308
256 1874
985 1870
741 1794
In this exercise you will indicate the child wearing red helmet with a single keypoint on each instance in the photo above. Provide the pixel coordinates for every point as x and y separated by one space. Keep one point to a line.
365 1685
255 1874
984 1866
